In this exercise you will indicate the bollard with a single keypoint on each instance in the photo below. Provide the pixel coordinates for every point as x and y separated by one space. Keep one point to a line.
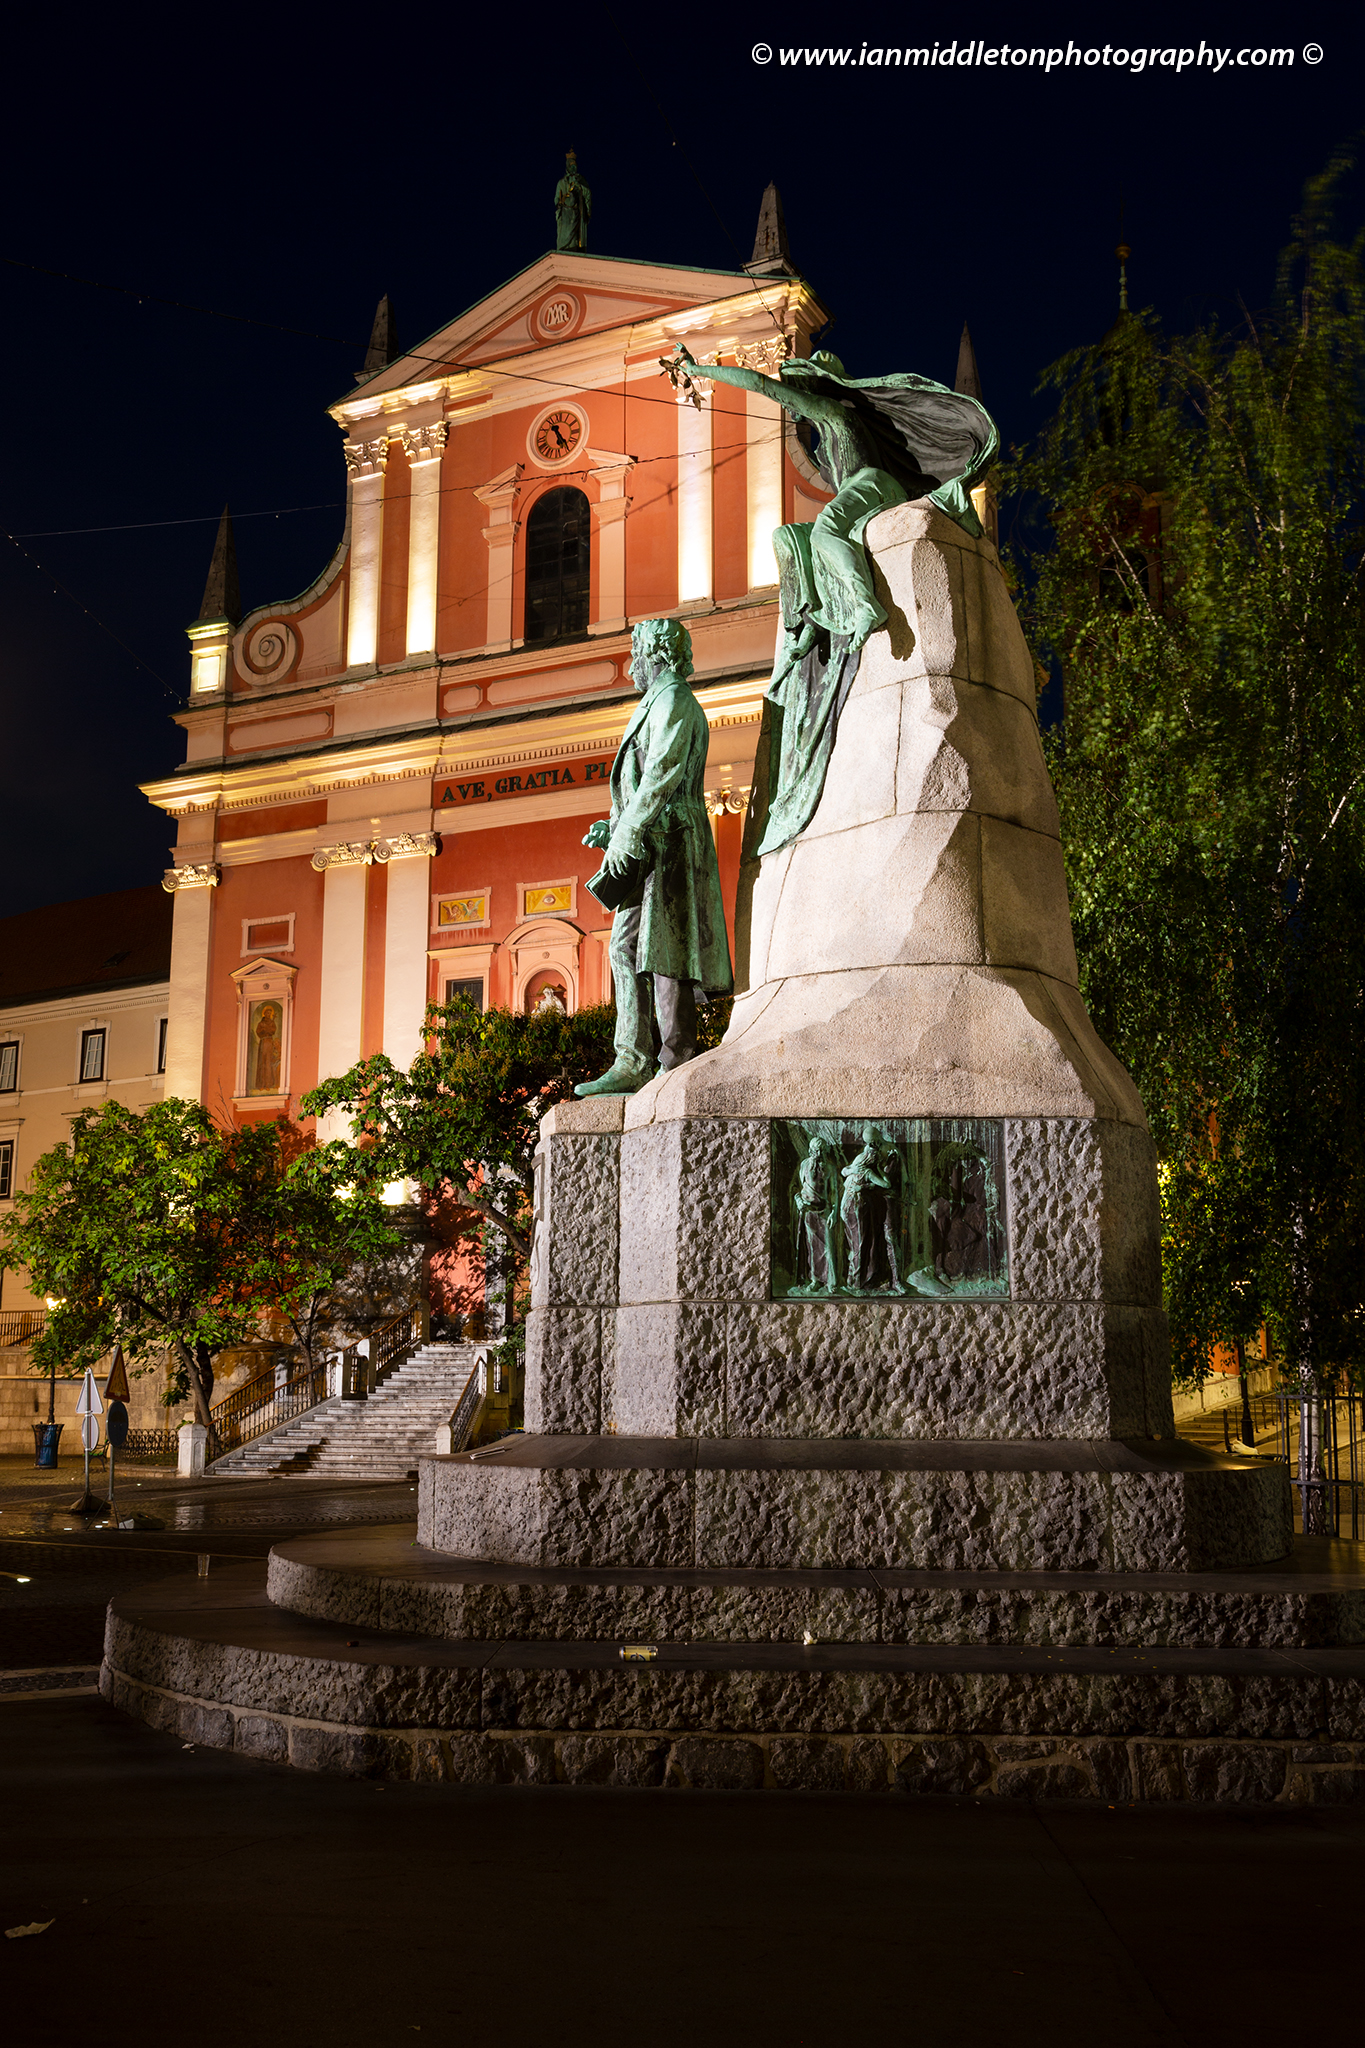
193 1439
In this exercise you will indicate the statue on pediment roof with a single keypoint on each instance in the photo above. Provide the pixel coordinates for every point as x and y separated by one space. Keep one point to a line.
573 207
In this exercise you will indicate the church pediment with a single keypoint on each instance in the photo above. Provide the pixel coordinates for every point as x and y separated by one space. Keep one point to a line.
565 296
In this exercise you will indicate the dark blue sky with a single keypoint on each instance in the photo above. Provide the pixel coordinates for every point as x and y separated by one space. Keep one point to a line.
288 171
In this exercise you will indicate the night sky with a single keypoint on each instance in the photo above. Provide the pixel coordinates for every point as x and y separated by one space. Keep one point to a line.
285 170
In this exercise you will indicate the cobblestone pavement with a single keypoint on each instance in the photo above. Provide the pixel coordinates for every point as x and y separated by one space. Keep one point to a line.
58 1569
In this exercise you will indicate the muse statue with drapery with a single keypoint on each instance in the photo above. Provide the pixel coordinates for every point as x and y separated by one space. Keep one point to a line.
881 440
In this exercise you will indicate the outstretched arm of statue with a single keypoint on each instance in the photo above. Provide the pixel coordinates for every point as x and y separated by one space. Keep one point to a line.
748 380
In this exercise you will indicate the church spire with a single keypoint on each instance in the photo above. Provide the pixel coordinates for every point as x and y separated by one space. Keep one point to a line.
222 592
383 342
968 378
772 257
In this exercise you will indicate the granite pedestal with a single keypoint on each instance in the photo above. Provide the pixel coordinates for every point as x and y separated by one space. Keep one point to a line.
848 1382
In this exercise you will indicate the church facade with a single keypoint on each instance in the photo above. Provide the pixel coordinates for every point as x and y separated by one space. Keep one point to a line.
388 778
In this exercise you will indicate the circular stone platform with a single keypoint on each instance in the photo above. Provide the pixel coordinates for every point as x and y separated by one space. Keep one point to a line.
384 1580
219 1662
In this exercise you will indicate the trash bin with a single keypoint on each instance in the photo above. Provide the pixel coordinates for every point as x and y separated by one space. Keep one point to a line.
46 1437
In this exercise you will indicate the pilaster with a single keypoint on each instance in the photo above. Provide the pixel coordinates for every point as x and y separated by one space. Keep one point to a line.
342 991
365 465
193 887
695 469
500 496
609 510
405 945
424 447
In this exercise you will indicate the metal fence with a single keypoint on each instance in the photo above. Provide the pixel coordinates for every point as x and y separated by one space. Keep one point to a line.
157 1444
20 1325
1320 1436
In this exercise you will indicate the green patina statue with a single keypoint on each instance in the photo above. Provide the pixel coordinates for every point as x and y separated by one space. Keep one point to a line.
660 875
573 207
881 440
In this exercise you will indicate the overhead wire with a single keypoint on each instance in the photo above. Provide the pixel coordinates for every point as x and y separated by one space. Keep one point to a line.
445 364
720 457
314 334
94 616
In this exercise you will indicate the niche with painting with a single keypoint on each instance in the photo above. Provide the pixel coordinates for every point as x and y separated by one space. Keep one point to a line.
265 1001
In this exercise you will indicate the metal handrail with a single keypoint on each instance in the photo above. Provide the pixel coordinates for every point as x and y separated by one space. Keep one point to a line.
466 1410
1319 1433
261 1406
391 1342
17 1325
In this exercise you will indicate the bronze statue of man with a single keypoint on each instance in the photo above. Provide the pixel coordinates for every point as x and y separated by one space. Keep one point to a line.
660 875
573 207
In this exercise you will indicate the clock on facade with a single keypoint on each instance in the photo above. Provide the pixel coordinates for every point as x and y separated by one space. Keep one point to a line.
558 435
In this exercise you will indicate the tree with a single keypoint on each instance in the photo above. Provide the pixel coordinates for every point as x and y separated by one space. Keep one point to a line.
297 1227
1198 585
160 1230
463 1120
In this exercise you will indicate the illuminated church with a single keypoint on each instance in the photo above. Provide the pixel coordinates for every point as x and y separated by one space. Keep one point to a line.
388 778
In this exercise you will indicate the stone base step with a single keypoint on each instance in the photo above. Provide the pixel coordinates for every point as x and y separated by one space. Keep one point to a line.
380 1579
215 1663
791 1504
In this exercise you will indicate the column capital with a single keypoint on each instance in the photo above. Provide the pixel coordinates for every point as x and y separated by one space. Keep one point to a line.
204 874
349 853
366 458
406 845
765 356
424 444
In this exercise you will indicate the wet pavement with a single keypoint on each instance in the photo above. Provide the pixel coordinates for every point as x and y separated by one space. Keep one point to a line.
197 1895
59 1568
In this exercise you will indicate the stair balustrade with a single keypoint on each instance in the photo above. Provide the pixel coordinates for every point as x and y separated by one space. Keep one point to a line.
482 1409
261 1406
21 1325
389 1344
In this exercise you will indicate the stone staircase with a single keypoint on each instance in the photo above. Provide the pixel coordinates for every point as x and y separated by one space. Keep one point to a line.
381 1438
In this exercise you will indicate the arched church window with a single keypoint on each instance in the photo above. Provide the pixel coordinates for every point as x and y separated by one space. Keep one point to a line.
557 545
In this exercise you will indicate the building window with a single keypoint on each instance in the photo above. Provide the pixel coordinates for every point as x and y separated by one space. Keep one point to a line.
9 1066
161 1024
557 565
6 1168
92 1055
470 991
